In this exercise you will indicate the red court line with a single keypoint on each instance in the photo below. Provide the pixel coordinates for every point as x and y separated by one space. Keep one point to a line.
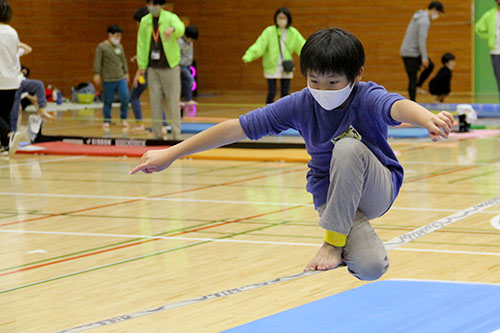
135 200
146 241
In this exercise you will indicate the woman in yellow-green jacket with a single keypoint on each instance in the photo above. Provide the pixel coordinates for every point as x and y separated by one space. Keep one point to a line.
486 28
274 54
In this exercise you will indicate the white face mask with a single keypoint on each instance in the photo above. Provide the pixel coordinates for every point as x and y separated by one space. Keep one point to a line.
331 99
155 11
434 16
282 23
115 41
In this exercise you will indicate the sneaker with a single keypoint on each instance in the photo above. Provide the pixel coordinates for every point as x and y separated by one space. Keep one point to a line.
4 151
35 123
105 127
45 114
14 142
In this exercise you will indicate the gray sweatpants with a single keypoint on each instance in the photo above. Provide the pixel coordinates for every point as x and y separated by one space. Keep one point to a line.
360 189
165 82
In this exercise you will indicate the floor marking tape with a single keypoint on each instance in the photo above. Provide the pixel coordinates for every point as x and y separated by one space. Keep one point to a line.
41 162
221 240
231 202
390 245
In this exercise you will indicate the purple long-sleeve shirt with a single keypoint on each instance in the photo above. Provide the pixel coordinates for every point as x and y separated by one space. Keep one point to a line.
368 112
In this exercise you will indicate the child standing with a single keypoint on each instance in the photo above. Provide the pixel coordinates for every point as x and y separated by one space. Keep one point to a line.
110 68
440 85
186 46
354 175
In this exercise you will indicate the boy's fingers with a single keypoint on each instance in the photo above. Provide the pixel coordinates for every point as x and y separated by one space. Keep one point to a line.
138 168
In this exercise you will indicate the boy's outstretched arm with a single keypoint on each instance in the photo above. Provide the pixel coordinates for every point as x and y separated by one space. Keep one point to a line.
221 134
439 125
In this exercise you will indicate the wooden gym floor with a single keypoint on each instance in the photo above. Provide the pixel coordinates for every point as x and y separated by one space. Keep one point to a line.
82 241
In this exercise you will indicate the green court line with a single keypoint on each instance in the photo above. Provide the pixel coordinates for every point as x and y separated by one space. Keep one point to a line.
471 177
135 259
434 173
110 245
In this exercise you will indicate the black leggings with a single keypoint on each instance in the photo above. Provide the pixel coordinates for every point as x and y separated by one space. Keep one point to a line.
6 101
412 66
271 89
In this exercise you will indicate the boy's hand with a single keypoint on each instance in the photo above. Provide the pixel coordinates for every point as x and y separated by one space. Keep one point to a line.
440 125
154 161
168 32
97 79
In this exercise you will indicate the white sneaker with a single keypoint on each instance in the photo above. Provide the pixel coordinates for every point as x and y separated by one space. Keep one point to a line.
14 142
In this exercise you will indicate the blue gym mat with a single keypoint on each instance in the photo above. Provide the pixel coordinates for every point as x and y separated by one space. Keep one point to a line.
403 132
393 306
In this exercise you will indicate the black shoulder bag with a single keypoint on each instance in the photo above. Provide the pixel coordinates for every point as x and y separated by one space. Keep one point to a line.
288 65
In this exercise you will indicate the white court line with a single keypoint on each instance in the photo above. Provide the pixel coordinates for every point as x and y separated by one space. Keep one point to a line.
231 202
217 240
450 163
389 245
495 222
41 162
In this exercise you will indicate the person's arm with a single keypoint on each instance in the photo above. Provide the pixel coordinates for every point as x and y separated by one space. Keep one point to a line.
24 49
256 50
142 51
423 30
482 27
299 42
410 112
221 134
97 65
124 64
179 27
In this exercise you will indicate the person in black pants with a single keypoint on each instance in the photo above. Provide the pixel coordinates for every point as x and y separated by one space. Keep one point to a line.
414 47
9 70
440 85
412 66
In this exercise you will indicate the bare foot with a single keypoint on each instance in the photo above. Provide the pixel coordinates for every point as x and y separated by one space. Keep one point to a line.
328 257
138 128
125 123
45 114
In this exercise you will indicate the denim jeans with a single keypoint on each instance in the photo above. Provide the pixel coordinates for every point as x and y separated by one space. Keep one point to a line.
186 83
495 60
135 95
271 89
110 88
33 87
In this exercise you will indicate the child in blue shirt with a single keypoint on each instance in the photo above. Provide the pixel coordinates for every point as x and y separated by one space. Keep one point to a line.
354 175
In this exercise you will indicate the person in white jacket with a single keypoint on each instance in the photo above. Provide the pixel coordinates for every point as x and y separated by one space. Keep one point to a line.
9 70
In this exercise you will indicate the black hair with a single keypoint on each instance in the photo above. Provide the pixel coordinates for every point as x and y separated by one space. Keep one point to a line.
5 11
140 13
113 29
191 32
159 2
447 57
24 68
285 11
332 51
437 5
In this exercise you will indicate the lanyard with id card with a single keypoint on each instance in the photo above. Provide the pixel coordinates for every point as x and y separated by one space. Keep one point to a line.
155 53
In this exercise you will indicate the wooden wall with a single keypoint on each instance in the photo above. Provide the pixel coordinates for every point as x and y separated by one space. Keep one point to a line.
64 35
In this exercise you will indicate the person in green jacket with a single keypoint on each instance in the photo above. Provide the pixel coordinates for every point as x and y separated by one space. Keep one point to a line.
158 52
274 54
487 28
